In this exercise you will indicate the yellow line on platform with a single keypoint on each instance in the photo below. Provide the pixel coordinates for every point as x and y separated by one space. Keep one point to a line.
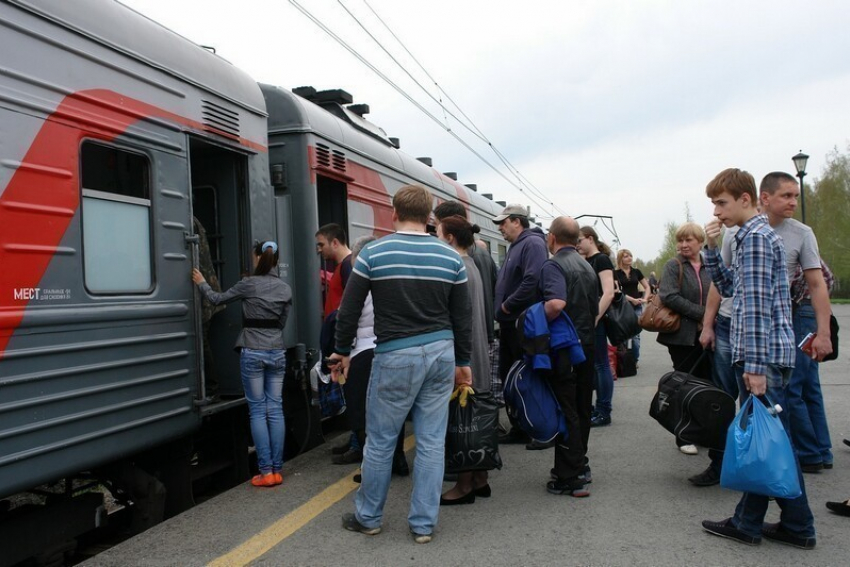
265 540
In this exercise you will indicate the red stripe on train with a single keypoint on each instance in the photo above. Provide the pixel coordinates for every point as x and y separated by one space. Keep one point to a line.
43 194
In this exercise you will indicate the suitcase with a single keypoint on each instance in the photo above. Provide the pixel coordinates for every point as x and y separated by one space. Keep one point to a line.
693 409
626 364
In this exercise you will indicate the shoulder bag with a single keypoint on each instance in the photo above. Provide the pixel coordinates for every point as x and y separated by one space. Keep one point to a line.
657 316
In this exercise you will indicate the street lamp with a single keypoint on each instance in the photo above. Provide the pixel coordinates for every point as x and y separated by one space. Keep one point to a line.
800 163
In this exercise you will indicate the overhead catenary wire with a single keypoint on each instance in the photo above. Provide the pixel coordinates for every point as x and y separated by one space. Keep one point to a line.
413 101
472 127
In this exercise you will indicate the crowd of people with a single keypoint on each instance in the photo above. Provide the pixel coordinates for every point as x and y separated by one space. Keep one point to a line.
419 313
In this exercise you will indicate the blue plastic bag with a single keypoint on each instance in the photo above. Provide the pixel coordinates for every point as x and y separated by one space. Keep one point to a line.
758 457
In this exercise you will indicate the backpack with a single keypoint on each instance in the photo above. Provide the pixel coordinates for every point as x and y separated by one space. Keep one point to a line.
530 401
694 410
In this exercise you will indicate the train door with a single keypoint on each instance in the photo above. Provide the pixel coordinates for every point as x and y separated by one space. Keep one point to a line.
332 200
220 210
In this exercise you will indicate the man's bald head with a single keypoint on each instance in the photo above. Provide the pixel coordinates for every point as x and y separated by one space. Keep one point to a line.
565 230
482 244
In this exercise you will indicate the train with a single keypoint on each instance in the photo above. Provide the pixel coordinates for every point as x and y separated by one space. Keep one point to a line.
119 138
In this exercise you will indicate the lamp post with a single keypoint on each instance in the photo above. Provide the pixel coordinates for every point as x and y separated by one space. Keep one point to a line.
800 161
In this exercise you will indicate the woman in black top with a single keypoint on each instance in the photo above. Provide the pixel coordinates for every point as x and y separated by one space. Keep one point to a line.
628 279
598 254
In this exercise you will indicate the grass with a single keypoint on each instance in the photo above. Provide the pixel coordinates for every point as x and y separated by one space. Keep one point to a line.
838 301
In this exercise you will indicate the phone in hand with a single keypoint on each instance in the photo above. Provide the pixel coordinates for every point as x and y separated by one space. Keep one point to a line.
806 344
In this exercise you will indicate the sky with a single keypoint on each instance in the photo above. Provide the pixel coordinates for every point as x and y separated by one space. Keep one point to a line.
619 108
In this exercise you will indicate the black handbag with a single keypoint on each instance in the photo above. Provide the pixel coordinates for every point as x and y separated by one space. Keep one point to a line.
833 337
621 321
472 436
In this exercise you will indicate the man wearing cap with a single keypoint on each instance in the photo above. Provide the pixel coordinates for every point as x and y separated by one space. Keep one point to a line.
516 290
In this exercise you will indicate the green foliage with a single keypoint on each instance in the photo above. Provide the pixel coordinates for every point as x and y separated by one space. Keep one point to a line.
828 213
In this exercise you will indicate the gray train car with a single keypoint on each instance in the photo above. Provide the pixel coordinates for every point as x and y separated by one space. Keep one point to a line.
329 164
111 126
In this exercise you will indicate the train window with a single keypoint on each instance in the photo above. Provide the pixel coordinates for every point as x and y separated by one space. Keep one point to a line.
116 220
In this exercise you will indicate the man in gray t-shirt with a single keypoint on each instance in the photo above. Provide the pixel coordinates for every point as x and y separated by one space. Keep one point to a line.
778 195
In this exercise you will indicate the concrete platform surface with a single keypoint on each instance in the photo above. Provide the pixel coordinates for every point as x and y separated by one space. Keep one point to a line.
642 510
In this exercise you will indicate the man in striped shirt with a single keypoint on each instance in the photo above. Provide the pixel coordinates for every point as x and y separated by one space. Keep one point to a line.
762 342
423 326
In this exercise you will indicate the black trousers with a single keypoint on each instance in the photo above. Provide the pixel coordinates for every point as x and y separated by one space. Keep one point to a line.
356 387
509 352
573 388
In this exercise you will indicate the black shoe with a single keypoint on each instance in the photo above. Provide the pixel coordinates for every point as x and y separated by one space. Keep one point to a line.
400 467
514 436
536 445
349 522
358 478
811 467
828 466
600 420
588 479
847 442
341 449
775 532
350 457
840 508
575 487
727 530
468 498
483 491
708 477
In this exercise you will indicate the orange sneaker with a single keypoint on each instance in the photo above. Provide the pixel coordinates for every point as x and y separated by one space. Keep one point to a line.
271 479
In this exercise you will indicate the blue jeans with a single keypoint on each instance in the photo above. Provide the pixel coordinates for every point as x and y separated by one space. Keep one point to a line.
419 378
262 379
795 516
805 398
604 381
636 338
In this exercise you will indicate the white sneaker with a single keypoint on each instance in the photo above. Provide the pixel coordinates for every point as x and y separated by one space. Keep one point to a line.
689 449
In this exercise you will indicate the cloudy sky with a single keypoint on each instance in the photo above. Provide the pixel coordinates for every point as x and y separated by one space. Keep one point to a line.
623 108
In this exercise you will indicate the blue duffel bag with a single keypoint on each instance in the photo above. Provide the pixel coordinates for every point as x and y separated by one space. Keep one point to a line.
759 457
530 401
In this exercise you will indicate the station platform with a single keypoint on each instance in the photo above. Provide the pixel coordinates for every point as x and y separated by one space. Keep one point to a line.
642 510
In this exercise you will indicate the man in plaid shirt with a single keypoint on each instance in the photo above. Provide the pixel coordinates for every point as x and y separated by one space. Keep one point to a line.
762 342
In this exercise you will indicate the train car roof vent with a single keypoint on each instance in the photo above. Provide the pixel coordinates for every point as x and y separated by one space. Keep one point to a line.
338 96
503 203
473 187
426 160
396 143
487 196
451 175
305 92
359 109
219 119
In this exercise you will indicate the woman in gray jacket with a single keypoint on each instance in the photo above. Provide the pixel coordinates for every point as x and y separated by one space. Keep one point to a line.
266 300
688 300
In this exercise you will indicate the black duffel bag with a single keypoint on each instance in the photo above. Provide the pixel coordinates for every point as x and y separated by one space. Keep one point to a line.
472 436
621 321
692 409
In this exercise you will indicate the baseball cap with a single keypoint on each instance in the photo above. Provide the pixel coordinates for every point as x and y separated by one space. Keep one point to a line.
512 210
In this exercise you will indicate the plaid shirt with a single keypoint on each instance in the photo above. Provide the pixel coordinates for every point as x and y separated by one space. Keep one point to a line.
761 331
800 288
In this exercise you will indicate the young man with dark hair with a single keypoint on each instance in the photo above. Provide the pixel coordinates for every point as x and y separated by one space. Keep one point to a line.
779 192
516 290
424 341
762 342
331 244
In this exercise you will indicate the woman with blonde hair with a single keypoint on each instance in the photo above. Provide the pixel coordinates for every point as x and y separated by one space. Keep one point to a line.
688 300
628 279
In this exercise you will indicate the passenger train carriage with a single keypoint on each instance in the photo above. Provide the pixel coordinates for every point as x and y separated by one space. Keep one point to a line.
114 133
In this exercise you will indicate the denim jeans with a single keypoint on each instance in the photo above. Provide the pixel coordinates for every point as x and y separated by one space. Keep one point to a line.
420 379
723 374
604 380
805 398
795 515
636 338
262 379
